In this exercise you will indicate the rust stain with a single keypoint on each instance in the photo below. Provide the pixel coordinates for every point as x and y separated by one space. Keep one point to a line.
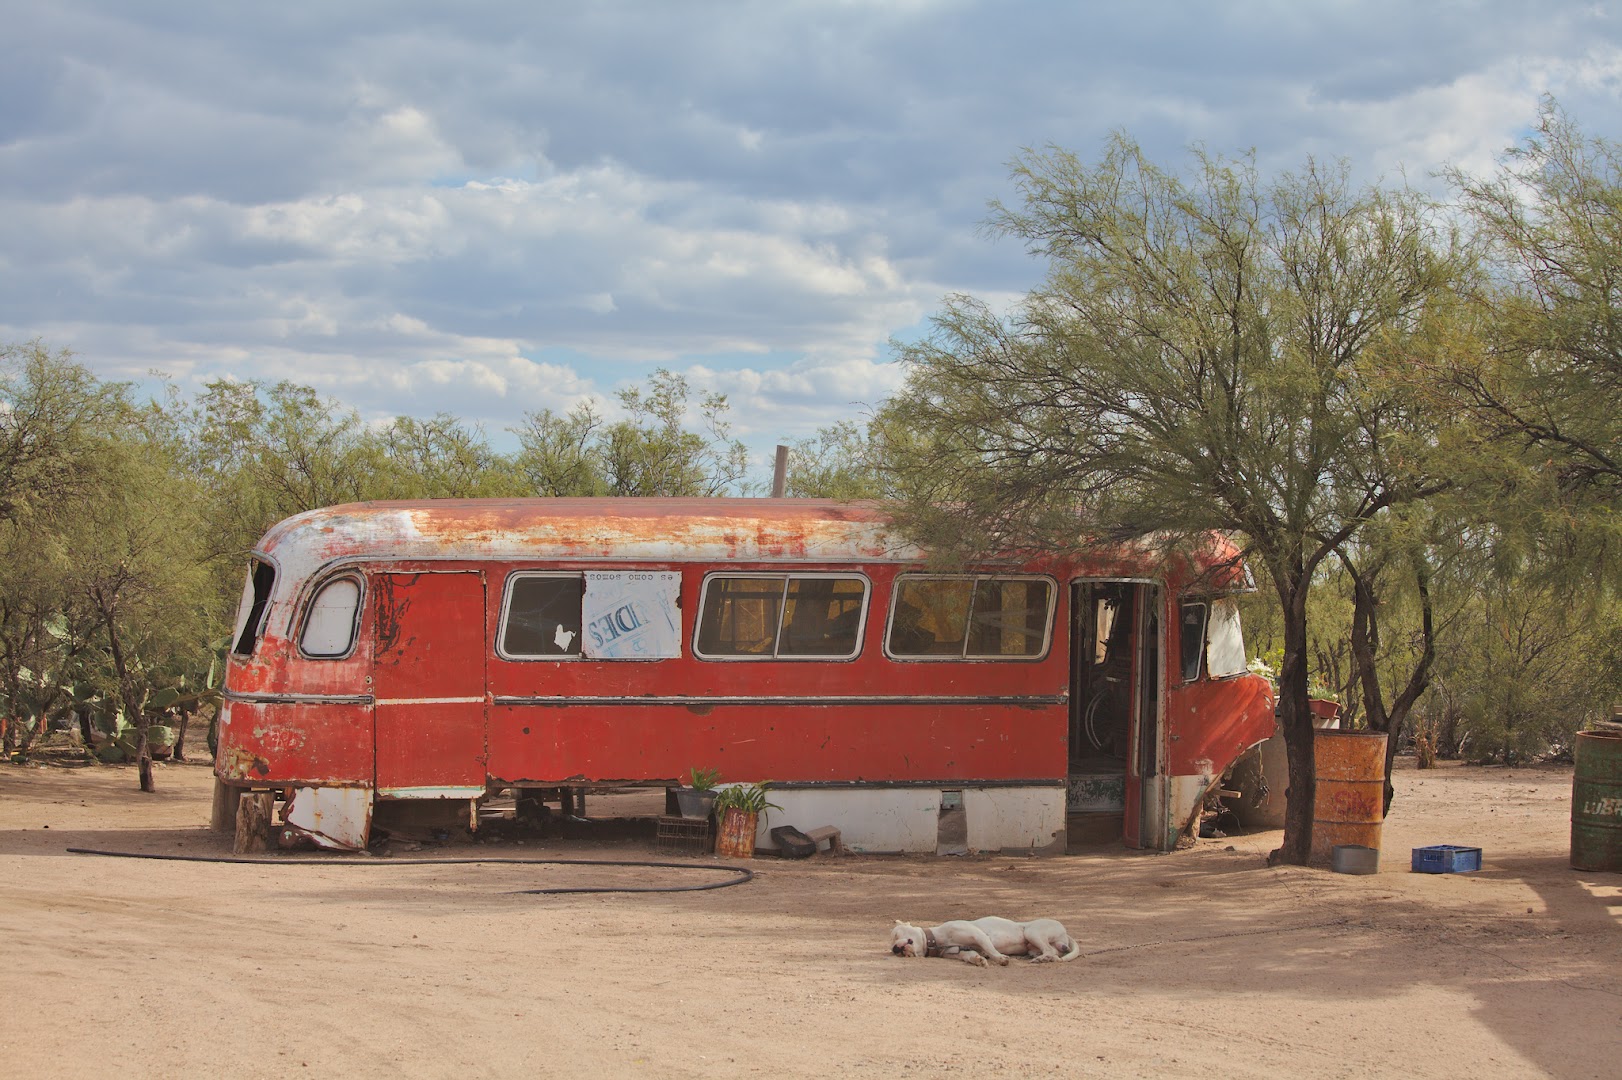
390 613
238 764
595 528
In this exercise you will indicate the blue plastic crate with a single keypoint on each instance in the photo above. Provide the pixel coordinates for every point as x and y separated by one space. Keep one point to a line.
1446 859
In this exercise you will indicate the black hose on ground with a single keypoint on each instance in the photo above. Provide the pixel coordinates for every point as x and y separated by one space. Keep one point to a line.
742 874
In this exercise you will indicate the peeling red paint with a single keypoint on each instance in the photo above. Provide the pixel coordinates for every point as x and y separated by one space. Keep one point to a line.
1217 721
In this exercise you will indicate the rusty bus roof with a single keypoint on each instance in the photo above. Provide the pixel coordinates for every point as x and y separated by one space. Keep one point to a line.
712 530
680 529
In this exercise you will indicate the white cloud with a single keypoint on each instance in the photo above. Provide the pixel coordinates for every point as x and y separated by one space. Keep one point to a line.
503 208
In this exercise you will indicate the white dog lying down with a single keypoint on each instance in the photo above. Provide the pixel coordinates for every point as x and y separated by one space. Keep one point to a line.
991 938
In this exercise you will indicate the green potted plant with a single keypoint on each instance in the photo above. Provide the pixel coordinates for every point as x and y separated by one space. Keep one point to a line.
697 799
738 809
1323 704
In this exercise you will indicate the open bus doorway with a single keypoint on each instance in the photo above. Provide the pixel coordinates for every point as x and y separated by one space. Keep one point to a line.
1112 789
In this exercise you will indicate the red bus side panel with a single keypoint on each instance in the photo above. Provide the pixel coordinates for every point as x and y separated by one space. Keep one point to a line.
428 680
1216 721
884 742
311 744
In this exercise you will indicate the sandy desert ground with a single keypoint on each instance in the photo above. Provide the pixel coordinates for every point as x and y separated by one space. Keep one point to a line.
1203 962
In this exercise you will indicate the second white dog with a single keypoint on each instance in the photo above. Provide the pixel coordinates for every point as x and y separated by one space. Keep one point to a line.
990 938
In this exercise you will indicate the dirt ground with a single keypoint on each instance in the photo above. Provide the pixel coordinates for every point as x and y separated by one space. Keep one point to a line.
1203 962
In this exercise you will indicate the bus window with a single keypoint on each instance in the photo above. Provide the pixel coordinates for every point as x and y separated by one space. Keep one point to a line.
251 611
781 616
331 618
1193 640
540 616
822 616
1225 653
931 616
1009 618
970 618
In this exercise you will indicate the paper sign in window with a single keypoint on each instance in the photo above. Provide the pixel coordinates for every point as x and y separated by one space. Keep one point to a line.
631 614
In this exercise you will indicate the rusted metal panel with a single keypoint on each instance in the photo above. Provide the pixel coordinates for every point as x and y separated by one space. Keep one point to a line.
331 817
704 530
277 668
869 718
428 679
718 531
1211 723
299 742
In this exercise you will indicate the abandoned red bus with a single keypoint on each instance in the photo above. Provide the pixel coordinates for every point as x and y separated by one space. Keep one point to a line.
389 656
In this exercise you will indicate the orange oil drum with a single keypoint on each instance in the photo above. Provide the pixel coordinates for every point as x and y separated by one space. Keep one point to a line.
1349 805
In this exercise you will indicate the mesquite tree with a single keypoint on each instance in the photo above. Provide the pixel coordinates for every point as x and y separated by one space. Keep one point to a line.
1209 351
140 576
1550 382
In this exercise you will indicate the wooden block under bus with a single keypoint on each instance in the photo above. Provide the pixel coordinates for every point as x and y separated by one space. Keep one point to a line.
255 811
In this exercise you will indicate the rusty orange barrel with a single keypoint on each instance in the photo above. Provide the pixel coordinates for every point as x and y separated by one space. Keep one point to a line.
1350 801
737 835
1596 802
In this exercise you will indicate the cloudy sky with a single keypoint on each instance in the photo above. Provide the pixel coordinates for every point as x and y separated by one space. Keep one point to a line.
494 208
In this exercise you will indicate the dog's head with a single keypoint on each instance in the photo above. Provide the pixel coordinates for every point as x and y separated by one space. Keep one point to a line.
906 940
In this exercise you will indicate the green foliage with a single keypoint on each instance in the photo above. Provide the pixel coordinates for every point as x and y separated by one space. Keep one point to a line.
1531 657
1549 390
53 415
1531 664
58 426
1525 637
1208 352
441 458
141 576
262 452
650 451
749 798
703 779
560 456
836 463
35 659
106 594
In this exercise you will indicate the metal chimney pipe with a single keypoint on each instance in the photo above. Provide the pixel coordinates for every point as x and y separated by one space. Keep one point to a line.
780 472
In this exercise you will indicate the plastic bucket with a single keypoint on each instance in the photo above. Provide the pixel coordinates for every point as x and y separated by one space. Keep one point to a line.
1349 804
1596 802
